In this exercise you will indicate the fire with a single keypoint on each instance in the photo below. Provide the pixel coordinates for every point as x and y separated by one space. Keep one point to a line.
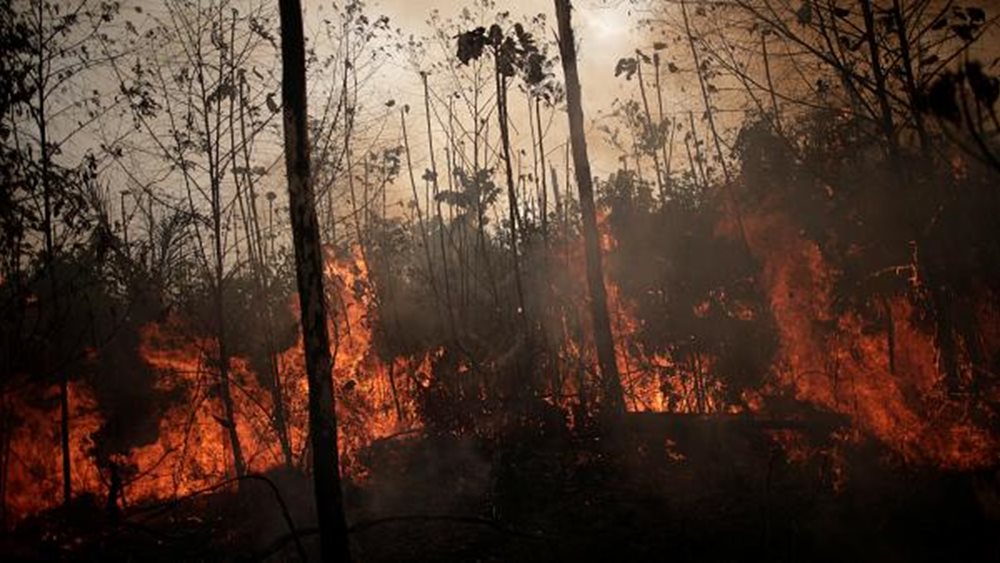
826 358
652 382
892 392
192 450
897 395
34 478
375 399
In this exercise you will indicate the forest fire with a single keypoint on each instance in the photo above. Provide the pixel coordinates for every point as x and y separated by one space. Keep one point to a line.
651 381
32 478
189 450
906 407
527 288
886 378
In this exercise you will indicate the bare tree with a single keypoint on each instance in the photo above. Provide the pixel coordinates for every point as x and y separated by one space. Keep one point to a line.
603 339
202 117
55 57
309 273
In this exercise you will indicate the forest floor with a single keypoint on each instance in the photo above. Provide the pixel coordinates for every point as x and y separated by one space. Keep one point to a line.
563 498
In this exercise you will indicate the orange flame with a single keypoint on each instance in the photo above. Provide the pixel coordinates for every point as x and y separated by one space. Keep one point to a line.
375 399
832 361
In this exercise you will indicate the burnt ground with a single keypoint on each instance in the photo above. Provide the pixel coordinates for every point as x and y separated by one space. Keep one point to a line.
714 494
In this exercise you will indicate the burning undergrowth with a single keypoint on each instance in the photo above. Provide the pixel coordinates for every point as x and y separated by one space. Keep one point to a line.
178 441
881 373
781 299
713 340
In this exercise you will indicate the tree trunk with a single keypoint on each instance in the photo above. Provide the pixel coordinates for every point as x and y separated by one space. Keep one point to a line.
770 84
225 395
667 156
888 128
710 114
649 124
425 239
437 202
614 402
309 274
540 174
49 242
912 90
280 419
501 85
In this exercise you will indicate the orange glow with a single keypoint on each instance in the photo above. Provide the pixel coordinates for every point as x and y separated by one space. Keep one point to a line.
651 382
829 360
34 479
192 451
834 363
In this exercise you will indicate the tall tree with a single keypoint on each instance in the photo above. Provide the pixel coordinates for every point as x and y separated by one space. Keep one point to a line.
48 54
202 118
309 273
614 402
513 53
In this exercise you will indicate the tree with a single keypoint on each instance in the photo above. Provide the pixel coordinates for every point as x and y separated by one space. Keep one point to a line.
513 53
309 273
603 339
202 117
48 47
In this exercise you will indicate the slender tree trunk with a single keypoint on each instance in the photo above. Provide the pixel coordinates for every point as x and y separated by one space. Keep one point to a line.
541 174
710 114
770 84
277 396
440 220
215 171
555 193
309 274
649 124
667 156
697 158
49 243
420 215
501 84
912 91
888 128
704 93
614 402
229 411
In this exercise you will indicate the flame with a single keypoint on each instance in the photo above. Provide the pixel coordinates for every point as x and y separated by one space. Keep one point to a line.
34 478
376 398
830 360
652 382
826 358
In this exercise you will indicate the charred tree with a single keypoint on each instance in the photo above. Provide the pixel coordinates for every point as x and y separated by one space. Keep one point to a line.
501 88
309 275
879 76
614 402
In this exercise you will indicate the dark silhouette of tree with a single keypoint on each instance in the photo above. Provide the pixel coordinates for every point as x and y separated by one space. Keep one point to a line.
513 53
50 52
309 272
614 402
